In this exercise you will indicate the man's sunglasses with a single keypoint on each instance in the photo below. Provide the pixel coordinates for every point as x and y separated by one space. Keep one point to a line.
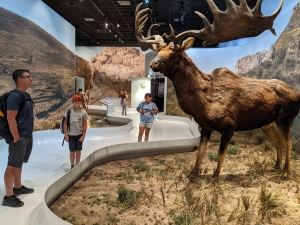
26 76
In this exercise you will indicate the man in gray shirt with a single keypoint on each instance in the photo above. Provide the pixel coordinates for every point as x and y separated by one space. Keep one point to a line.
20 121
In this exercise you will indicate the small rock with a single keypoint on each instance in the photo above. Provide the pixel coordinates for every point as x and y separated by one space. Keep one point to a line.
98 122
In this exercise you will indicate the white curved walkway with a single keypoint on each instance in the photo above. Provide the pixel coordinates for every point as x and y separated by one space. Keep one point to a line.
48 168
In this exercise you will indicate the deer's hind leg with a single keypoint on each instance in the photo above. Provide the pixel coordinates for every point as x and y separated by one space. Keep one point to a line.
285 132
277 140
222 152
204 138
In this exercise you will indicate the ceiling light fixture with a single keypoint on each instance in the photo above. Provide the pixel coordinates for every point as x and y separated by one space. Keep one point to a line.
89 19
181 6
124 2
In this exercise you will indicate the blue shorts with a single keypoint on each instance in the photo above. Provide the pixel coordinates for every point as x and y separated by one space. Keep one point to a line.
74 143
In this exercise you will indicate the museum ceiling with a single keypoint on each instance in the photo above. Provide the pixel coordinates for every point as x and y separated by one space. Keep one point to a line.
111 22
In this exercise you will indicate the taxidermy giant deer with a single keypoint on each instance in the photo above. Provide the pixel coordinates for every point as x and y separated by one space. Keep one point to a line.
223 101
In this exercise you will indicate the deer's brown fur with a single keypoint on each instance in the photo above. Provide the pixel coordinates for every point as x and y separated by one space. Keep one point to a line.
225 102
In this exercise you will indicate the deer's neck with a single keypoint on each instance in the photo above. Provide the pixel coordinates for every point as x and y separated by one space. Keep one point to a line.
192 86
187 78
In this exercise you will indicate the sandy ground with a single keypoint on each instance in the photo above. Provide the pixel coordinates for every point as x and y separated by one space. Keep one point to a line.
154 190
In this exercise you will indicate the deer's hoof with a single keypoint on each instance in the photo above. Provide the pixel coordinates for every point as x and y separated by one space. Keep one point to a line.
283 177
213 180
190 178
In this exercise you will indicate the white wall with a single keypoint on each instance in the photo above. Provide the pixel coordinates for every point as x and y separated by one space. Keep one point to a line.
42 15
137 92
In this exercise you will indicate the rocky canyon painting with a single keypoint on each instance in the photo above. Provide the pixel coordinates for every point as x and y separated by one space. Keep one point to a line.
281 61
25 45
114 68
54 67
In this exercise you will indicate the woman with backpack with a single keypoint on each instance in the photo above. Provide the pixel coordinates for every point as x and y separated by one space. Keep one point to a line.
123 104
75 126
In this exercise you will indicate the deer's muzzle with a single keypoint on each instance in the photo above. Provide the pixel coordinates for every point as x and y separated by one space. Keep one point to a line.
156 63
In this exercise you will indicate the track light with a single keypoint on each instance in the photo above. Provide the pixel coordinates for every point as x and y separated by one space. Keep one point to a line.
106 25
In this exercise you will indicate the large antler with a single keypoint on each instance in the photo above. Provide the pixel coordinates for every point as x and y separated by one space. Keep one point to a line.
149 41
236 22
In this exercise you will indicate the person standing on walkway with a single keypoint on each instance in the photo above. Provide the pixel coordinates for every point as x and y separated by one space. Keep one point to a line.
85 98
123 104
120 93
147 109
76 130
20 122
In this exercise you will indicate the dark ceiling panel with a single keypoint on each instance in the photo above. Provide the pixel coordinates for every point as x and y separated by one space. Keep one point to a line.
93 33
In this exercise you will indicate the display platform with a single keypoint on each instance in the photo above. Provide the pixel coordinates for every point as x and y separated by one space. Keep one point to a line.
48 168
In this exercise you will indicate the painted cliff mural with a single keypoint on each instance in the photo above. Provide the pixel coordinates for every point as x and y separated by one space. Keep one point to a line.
281 61
114 68
52 65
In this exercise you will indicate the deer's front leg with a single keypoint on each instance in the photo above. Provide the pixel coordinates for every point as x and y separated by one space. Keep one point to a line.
205 136
222 152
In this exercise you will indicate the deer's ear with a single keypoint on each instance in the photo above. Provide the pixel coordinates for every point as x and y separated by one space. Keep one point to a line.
187 43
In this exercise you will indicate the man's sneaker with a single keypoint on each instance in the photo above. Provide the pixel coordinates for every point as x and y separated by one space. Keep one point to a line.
12 201
23 190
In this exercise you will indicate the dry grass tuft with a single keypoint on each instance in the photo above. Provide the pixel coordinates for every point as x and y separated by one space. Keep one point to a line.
260 166
271 204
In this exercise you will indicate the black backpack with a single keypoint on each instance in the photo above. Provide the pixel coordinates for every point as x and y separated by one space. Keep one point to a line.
4 128
61 125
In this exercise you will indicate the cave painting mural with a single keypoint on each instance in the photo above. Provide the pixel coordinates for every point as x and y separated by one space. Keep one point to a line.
223 101
114 68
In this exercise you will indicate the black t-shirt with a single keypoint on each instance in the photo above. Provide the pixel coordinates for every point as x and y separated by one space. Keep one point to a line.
25 116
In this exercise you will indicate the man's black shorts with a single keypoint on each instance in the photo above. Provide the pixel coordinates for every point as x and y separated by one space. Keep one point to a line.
74 143
19 152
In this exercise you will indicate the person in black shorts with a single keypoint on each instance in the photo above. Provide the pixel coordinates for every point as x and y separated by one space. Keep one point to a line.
75 134
20 121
